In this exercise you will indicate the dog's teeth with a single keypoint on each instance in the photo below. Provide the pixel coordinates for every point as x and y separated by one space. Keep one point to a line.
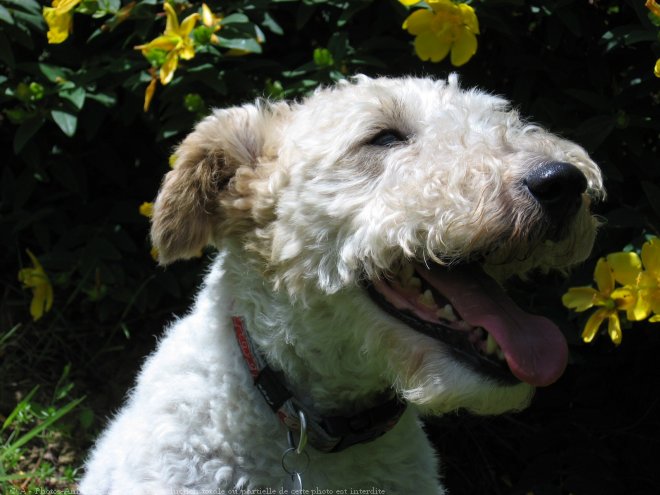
491 345
406 273
464 325
426 299
407 279
447 313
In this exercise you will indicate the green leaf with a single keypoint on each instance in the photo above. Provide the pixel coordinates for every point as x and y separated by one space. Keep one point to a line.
323 57
26 130
75 96
247 44
53 73
19 407
105 99
109 5
235 19
5 16
65 121
15 477
30 5
272 24
6 53
39 428
86 418
35 20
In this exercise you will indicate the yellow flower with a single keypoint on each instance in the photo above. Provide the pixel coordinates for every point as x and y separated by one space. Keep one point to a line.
653 7
149 92
656 69
627 270
147 209
212 21
176 41
42 291
446 28
609 300
649 279
59 18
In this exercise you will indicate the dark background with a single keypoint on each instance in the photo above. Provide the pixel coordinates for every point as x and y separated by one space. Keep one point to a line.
70 193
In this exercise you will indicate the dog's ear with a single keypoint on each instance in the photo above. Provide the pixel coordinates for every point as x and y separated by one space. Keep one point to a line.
188 206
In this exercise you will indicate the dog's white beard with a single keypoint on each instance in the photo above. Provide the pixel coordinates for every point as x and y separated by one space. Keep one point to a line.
437 383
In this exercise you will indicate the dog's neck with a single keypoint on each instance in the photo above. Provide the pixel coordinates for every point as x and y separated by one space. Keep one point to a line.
344 411
326 433
330 371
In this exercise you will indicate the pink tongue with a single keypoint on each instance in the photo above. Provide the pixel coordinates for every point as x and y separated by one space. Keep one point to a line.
533 346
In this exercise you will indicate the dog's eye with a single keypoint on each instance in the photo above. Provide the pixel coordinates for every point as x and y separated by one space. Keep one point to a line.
387 137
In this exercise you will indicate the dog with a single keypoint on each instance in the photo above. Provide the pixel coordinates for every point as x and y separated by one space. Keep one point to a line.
364 235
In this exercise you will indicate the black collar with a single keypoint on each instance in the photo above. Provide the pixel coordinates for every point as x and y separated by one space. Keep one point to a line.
326 433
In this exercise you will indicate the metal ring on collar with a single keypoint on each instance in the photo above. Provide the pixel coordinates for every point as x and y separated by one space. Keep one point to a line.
302 437
294 463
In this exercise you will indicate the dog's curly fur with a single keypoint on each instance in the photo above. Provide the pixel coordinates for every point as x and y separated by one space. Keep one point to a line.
305 207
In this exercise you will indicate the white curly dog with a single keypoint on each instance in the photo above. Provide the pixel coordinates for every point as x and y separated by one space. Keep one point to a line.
363 235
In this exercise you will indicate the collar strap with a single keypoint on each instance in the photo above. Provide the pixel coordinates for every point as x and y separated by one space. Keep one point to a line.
326 433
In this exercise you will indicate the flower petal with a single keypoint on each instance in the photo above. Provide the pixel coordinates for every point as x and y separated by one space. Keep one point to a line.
418 22
30 277
38 303
429 47
207 16
656 68
652 297
469 17
604 277
653 7
165 42
464 47
651 257
147 209
172 23
42 291
409 3
168 68
59 25
188 24
626 267
442 5
187 51
64 6
148 96
614 328
580 298
35 261
593 324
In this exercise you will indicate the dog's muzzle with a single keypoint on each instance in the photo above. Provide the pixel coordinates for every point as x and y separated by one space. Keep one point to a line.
469 312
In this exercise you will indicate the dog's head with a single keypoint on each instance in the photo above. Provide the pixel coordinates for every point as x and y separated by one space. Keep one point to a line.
407 198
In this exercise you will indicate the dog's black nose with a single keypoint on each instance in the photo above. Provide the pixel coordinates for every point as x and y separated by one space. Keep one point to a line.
558 188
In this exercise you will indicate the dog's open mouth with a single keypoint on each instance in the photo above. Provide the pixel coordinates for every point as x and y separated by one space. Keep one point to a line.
467 310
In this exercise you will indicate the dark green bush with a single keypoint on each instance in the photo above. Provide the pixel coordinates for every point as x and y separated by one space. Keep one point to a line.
81 156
